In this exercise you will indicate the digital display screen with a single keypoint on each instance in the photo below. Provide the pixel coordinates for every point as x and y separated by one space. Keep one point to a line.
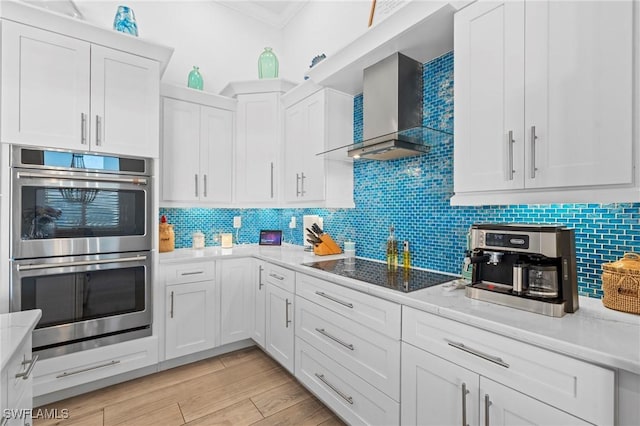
270 238
507 240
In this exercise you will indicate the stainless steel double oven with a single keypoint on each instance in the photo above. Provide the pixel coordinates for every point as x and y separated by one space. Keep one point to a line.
81 247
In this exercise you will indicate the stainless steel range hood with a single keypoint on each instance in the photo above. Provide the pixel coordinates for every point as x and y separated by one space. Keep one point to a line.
392 111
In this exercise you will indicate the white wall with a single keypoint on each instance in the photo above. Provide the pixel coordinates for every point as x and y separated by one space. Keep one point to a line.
321 27
222 42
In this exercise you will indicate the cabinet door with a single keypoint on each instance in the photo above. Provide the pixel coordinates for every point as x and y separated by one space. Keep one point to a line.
125 96
279 323
436 392
489 105
503 406
259 307
579 62
294 139
257 147
216 154
191 318
236 299
180 150
45 88
313 178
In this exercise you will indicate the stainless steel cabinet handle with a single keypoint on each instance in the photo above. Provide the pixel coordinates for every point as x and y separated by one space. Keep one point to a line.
302 178
135 181
30 267
533 152
494 359
335 389
287 320
32 364
509 163
465 392
335 339
333 299
276 276
82 370
297 185
191 273
83 128
260 269
196 179
272 179
487 404
171 309
204 192
98 130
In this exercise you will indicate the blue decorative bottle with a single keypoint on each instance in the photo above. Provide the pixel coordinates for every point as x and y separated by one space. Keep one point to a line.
195 79
125 21
267 64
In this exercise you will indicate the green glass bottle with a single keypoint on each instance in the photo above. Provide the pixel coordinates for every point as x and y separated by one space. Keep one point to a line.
267 64
195 79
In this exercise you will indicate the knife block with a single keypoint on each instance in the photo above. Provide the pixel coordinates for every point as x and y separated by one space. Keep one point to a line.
328 246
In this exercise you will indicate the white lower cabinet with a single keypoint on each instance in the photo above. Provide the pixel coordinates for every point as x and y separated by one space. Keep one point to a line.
518 382
16 395
279 325
259 307
352 398
236 278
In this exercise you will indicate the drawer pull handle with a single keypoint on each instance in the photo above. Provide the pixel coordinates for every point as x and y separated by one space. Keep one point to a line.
287 321
335 339
276 276
477 353
83 370
487 404
171 311
192 273
465 392
32 364
333 299
335 389
260 269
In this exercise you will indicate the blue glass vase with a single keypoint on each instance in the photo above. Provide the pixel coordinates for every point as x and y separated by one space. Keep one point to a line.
267 64
125 21
195 79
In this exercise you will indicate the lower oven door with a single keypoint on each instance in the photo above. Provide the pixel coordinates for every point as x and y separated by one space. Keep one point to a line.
86 301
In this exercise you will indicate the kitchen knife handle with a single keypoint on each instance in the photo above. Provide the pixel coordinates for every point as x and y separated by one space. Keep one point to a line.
272 179
83 128
509 163
196 179
297 185
533 152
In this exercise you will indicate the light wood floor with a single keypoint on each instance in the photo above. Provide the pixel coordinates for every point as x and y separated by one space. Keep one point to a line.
240 388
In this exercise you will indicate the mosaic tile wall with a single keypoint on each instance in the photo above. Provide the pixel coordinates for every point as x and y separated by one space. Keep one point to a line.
413 194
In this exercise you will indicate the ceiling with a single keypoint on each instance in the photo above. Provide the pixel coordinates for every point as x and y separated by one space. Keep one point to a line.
276 13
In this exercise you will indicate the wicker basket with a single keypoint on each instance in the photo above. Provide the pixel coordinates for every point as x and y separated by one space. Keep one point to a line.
621 284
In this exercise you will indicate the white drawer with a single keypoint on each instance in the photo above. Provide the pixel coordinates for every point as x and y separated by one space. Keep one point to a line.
348 395
372 356
188 272
378 314
18 366
74 369
577 387
278 276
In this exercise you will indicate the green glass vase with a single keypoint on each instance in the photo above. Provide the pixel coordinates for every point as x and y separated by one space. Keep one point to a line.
267 64
195 79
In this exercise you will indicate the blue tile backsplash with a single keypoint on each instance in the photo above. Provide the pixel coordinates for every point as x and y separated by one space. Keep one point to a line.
413 194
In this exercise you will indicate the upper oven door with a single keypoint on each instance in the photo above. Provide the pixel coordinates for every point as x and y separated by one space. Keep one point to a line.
61 213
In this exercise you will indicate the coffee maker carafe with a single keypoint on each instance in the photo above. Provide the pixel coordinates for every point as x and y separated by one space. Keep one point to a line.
529 267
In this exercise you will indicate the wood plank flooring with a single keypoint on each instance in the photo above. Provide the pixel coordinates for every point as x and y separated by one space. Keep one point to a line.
240 388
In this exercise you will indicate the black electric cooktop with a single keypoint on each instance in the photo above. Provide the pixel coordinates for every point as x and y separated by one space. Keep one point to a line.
377 273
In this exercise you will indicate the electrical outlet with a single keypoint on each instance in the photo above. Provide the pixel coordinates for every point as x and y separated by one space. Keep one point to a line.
292 223
237 222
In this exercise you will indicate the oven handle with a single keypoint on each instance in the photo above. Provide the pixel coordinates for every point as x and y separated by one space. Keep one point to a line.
31 267
136 181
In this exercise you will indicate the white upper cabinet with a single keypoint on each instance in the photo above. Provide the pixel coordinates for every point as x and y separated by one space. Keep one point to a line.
45 88
544 102
125 96
315 124
197 147
61 92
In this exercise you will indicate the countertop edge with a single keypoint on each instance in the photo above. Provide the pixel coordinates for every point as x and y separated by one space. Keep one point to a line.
15 328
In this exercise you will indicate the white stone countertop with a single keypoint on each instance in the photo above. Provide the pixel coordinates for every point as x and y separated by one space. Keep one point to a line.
15 328
593 333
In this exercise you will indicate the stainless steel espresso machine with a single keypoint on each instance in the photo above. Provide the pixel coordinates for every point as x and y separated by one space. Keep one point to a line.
529 267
